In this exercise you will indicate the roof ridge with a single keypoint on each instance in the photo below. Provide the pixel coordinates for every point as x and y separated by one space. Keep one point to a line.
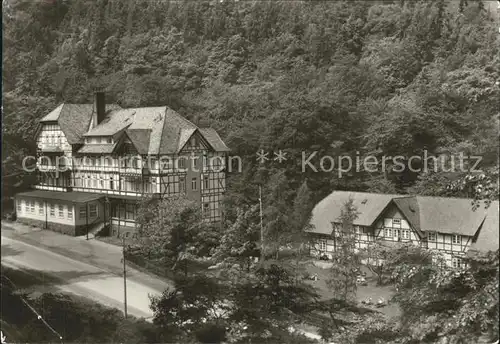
408 196
164 119
182 117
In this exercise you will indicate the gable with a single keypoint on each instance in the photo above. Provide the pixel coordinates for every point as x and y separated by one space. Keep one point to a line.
193 140
393 212
125 146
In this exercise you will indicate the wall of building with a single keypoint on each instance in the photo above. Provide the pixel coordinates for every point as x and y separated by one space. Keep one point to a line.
45 210
449 242
57 215
94 217
393 226
53 169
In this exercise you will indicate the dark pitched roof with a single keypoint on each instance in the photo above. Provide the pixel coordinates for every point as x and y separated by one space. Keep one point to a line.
369 207
427 214
115 120
409 207
153 130
140 139
105 148
176 131
449 215
73 196
488 236
74 119
214 139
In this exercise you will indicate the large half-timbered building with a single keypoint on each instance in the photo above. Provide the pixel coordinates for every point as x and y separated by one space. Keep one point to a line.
96 162
448 225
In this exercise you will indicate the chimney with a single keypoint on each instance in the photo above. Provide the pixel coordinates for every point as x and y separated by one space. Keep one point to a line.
99 107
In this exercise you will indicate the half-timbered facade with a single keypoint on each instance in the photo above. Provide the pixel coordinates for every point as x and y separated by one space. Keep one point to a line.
448 225
121 156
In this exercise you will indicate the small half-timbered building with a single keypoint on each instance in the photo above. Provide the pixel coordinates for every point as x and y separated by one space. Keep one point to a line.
448 225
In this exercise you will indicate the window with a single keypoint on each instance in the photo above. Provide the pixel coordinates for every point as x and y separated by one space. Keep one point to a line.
431 236
19 206
93 210
61 211
70 212
206 209
195 162
456 239
130 213
181 162
205 182
388 232
109 140
32 206
457 262
166 165
135 162
52 210
111 183
322 245
406 234
396 223
83 212
182 184
193 184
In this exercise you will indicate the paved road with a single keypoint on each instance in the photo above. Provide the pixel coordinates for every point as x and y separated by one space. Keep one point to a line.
76 277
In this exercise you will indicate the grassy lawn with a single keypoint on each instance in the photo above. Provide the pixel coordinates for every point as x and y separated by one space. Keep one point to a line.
372 290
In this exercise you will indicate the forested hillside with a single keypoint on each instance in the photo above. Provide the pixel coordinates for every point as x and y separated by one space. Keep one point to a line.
337 77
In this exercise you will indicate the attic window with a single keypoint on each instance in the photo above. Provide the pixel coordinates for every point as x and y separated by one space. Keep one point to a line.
364 201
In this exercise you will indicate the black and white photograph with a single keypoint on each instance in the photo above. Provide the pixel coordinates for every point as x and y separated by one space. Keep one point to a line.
250 171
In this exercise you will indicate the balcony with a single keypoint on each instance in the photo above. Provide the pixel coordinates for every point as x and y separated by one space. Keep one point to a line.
53 168
131 170
50 148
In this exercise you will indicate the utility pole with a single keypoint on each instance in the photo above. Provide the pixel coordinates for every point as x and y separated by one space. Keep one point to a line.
261 225
87 218
124 278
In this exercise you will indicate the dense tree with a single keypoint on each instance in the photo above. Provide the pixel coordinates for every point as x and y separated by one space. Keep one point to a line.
459 305
346 261
172 232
